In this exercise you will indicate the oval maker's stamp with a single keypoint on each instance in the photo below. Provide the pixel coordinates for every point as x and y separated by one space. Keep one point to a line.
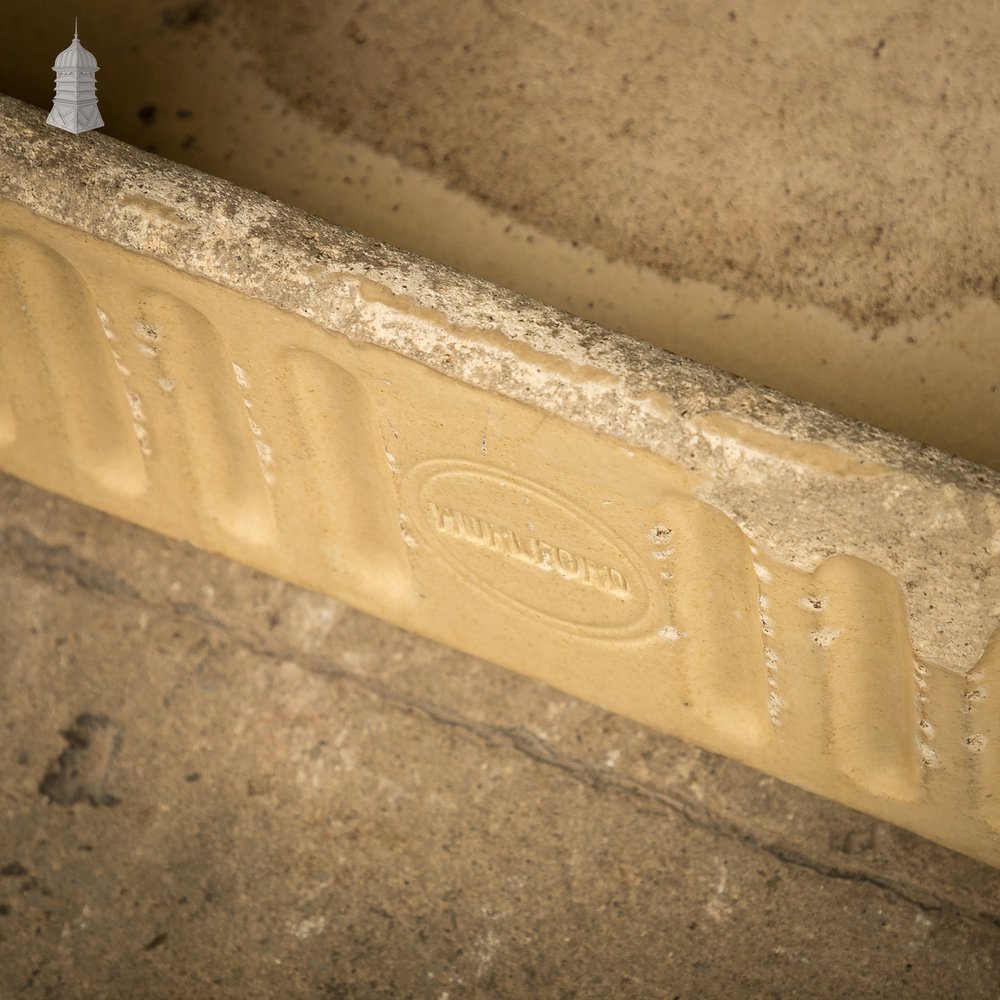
529 548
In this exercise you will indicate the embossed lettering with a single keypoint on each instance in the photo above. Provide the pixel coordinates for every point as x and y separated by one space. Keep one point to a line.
537 552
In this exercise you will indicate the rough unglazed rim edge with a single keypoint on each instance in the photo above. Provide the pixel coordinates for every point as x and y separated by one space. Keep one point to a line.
112 170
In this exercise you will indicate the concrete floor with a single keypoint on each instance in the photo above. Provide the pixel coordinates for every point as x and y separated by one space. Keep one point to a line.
298 800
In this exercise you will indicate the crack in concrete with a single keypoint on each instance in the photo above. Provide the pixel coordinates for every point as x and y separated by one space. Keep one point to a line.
600 781
529 745
44 561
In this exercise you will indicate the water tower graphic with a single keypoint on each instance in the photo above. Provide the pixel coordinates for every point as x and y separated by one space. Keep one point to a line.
75 106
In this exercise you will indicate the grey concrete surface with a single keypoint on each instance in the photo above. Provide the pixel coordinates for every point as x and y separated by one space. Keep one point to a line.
297 800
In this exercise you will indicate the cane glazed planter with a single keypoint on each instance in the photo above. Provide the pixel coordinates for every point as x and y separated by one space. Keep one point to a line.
810 595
